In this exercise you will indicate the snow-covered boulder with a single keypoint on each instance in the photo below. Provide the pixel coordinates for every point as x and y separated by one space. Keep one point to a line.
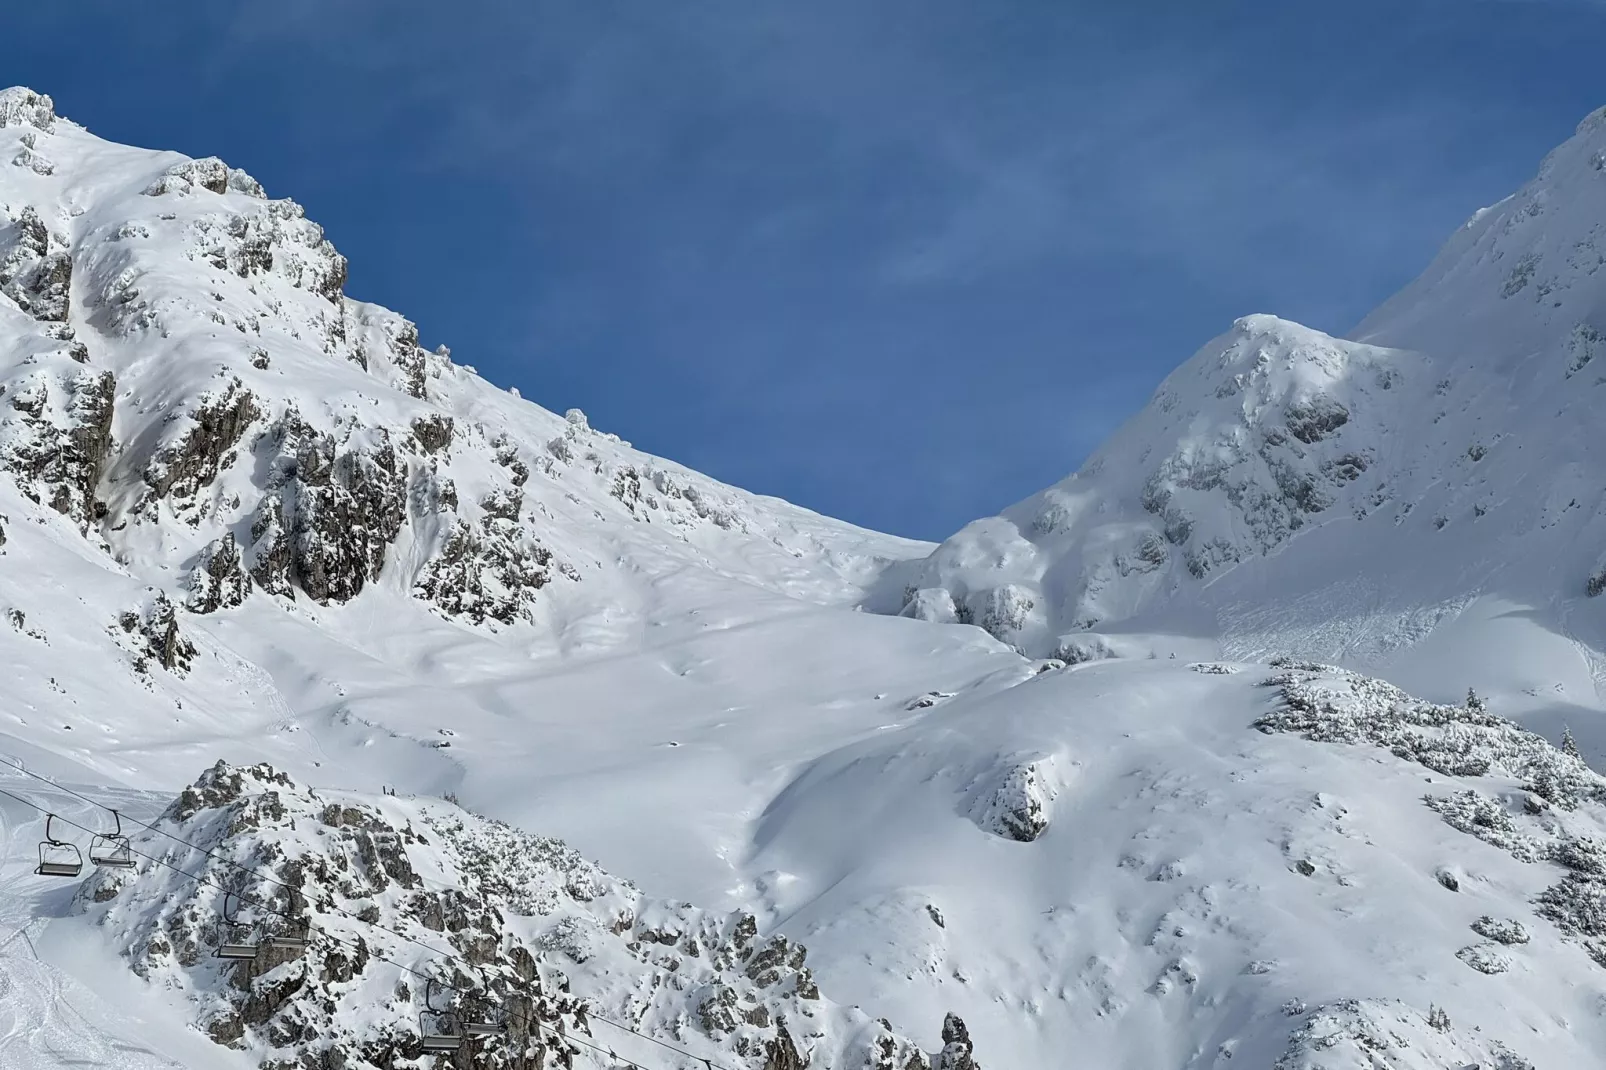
1014 803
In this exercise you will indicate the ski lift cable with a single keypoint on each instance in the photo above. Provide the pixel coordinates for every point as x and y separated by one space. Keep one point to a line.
323 934
452 955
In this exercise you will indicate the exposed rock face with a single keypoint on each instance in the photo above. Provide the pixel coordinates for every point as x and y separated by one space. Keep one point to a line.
193 461
210 174
533 937
156 632
20 106
35 267
957 1049
219 580
60 435
487 573
336 511
782 1053
432 433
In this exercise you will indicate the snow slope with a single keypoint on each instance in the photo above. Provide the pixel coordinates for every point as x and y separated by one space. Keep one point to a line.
249 518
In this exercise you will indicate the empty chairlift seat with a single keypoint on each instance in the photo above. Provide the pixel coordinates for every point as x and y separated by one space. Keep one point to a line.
296 941
236 950
440 1030
111 850
249 945
58 858
434 1035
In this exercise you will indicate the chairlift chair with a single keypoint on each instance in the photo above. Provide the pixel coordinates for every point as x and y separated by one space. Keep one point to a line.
111 850
297 941
58 858
440 1031
250 949
491 1024
234 949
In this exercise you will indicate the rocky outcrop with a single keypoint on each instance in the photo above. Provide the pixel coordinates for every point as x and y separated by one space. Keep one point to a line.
513 929
23 107
1014 804
957 1050
35 267
781 1053
216 425
331 512
157 637
59 439
219 579
1362 1034
1328 704
210 174
488 572
413 364
432 433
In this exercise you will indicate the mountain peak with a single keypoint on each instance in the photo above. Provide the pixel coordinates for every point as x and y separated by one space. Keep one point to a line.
20 105
1468 400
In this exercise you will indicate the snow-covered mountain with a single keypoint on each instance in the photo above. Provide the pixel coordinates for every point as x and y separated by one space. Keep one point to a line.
1358 493
247 518
188 384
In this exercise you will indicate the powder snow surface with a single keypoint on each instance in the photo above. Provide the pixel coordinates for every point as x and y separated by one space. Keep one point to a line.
1104 863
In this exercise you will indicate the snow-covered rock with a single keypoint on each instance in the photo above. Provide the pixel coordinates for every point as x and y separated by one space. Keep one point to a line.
512 929
1364 1034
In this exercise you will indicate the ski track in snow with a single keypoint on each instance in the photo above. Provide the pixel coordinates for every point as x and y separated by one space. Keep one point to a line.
47 1019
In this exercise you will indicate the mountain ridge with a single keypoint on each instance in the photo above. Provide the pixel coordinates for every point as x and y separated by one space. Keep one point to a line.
1462 405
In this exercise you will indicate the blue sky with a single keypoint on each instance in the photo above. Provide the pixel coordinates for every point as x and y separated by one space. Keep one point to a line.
901 261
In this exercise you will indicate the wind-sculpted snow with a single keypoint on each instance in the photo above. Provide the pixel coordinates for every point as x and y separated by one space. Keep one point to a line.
1183 889
528 933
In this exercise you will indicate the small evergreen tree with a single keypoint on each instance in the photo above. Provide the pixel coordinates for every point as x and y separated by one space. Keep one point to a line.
1438 1017
1474 702
1569 745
